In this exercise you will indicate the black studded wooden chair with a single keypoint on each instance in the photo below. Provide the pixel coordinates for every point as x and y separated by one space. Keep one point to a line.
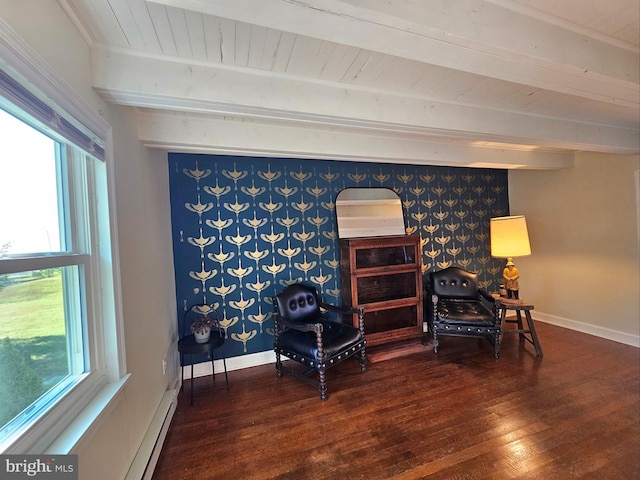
456 306
305 333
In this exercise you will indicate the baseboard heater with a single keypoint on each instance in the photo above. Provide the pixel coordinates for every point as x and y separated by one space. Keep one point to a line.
145 460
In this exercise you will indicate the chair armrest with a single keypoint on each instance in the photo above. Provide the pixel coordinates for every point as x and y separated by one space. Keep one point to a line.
492 301
486 295
342 310
339 308
301 327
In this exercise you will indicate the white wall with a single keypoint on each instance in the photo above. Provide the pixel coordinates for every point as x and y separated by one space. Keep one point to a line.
141 184
583 225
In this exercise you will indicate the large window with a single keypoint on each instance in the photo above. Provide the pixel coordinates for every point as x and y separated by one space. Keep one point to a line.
57 308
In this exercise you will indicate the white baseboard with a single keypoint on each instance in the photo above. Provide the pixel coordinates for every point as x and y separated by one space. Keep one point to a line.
146 458
233 363
602 332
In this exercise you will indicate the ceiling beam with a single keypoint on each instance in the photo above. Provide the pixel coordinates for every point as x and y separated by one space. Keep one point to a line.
189 132
158 82
475 36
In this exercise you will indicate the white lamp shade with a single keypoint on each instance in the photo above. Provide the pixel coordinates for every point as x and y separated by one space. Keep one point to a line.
509 237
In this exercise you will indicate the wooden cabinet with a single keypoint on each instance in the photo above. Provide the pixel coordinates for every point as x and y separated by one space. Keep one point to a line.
383 275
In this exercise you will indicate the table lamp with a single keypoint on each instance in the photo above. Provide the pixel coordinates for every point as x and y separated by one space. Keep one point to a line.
509 239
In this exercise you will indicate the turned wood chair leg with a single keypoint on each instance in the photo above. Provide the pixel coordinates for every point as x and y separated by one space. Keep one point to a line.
322 386
278 365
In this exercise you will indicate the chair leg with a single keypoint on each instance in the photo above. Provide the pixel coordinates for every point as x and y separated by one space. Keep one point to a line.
363 361
435 340
322 384
278 365
496 345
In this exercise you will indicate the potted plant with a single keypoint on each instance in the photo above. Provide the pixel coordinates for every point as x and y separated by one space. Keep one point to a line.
201 329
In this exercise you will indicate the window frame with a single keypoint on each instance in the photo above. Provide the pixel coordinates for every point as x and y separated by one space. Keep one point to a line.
73 418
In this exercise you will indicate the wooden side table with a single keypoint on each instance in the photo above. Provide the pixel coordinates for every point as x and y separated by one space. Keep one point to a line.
521 331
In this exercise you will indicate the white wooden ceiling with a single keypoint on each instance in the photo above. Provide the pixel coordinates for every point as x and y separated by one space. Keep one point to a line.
518 84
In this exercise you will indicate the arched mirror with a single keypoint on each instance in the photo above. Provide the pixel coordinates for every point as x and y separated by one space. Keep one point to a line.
369 212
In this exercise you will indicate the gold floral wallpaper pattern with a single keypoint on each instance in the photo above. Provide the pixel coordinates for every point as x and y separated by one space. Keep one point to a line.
244 228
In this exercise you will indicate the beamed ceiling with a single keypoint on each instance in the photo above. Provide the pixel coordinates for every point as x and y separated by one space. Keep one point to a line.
502 83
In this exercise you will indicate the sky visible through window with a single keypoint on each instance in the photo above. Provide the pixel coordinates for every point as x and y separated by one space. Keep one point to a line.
28 199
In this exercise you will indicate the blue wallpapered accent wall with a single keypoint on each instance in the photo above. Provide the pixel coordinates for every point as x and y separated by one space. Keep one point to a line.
245 227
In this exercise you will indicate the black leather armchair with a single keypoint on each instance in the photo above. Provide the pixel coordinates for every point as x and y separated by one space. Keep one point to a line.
305 334
456 306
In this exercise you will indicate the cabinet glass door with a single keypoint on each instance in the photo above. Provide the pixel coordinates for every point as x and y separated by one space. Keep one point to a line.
380 321
385 256
388 287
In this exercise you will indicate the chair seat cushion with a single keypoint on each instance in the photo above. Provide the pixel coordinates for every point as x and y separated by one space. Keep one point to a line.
336 337
464 312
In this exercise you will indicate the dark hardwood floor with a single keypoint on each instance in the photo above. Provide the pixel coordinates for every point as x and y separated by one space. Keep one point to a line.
459 414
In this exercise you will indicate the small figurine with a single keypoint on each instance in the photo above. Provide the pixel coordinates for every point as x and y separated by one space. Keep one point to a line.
511 276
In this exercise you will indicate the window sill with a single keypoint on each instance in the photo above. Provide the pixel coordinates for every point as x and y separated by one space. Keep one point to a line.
80 432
